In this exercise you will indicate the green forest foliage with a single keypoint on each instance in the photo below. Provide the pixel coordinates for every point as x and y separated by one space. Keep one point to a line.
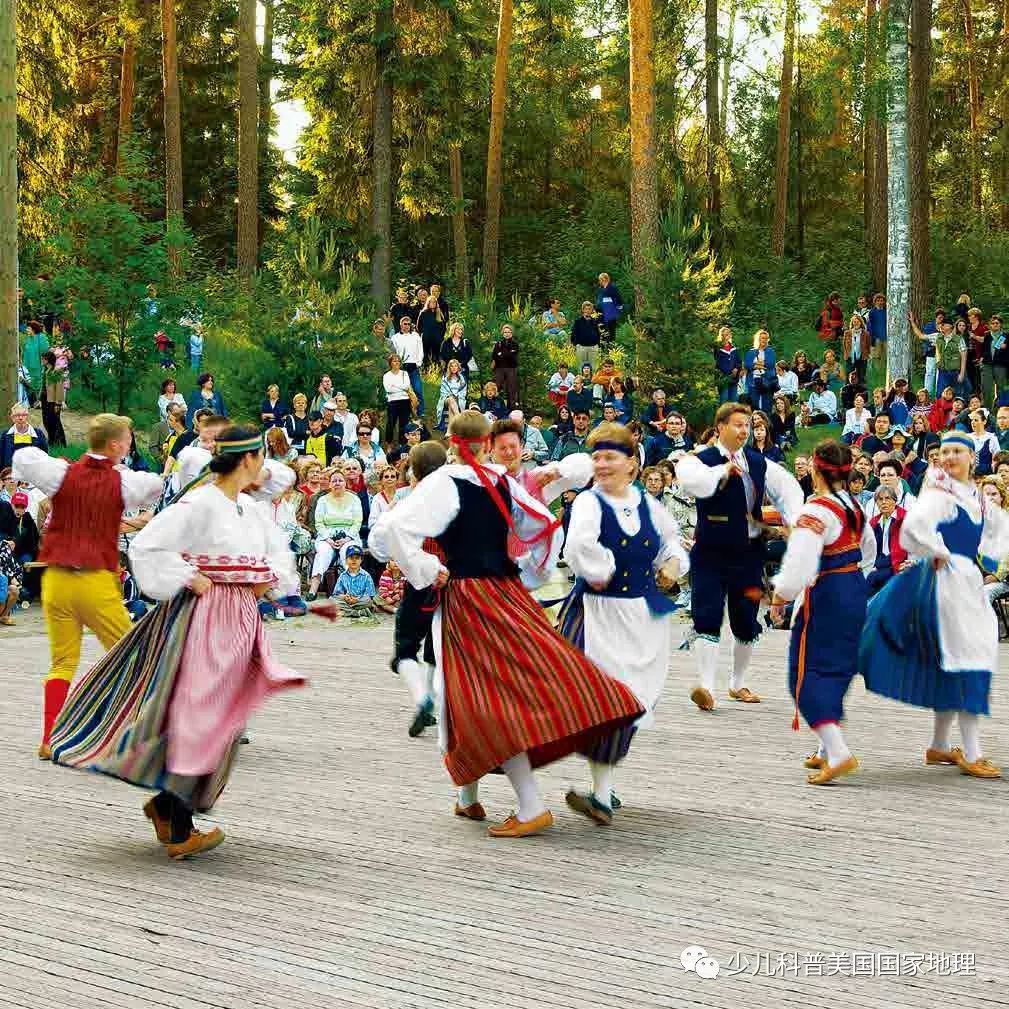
566 167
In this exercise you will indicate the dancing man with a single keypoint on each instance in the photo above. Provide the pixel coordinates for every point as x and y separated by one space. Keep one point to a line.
512 693
622 544
931 637
729 481
80 586
829 550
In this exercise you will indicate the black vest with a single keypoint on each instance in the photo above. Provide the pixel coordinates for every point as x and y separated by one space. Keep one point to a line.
721 518
476 540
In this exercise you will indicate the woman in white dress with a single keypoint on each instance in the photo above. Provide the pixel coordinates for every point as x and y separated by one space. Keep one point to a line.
622 545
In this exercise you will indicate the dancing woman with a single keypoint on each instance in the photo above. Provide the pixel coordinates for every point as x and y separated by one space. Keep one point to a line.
512 693
931 637
830 547
621 543
164 708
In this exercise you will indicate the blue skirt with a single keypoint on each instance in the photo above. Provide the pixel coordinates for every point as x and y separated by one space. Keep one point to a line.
899 652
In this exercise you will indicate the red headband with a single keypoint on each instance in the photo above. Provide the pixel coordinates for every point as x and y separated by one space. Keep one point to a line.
829 467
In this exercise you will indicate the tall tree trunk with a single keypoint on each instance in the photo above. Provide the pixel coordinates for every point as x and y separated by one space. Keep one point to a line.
173 125
381 159
495 138
869 115
8 204
974 106
248 139
784 135
714 200
644 172
800 196
898 263
266 71
723 98
879 211
458 219
918 130
1003 175
127 89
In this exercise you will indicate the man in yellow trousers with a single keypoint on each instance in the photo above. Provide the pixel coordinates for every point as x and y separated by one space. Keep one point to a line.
80 545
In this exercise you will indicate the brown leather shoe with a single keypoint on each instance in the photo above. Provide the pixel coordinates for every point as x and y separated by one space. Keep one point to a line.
162 826
814 762
473 812
701 696
195 844
933 756
45 752
514 827
980 768
744 694
827 774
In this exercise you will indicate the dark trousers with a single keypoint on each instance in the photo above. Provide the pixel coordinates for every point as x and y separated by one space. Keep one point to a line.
879 575
413 625
507 381
52 423
820 418
397 416
859 367
720 575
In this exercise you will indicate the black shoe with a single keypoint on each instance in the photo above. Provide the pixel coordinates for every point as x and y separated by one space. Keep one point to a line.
422 718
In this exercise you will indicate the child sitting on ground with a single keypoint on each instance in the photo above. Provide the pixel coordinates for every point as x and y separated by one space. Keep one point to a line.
355 590
390 588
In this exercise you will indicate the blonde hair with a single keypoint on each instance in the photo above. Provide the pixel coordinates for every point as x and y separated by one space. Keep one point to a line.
722 330
758 335
606 275
997 483
856 318
105 427
453 327
470 426
299 397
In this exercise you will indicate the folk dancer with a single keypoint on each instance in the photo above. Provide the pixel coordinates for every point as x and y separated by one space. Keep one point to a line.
830 549
80 586
165 707
931 637
623 545
729 480
511 692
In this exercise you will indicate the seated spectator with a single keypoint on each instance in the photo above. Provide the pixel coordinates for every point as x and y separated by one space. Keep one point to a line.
761 439
10 583
822 404
391 587
802 474
886 523
788 381
491 404
830 370
879 439
856 488
387 494
783 422
899 442
603 377
672 438
916 467
1002 428
195 457
609 415
355 590
25 531
273 409
962 413
364 450
622 401
169 395
898 403
324 447
852 388
922 404
278 447
413 434
995 570
18 435
889 473
553 320
561 426
580 397
574 441
856 421
878 404
805 370
534 447
986 445
338 521
920 436
134 458
561 382
452 394
654 416
941 414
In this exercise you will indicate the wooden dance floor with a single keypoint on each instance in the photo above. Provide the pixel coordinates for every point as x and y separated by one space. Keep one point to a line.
346 881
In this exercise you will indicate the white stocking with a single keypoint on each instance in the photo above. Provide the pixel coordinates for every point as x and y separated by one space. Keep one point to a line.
415 677
971 736
941 730
707 661
602 781
520 774
469 794
742 652
832 741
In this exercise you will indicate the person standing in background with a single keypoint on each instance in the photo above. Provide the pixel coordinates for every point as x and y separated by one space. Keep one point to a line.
609 304
585 337
505 360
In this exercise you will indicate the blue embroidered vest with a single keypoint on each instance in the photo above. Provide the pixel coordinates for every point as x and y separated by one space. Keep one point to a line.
960 534
721 518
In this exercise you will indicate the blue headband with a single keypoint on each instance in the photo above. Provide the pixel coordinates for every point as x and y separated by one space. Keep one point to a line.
957 438
612 446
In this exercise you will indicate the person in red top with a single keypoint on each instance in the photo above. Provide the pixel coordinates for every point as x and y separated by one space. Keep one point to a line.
80 587
941 412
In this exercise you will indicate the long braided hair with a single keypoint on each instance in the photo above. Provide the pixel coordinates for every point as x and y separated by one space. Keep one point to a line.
832 460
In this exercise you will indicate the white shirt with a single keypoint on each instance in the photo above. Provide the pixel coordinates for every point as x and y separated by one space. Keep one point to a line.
788 383
396 385
410 347
904 500
823 402
855 422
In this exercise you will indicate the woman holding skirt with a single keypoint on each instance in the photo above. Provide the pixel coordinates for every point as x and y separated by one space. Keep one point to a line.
165 707
829 549
931 637
620 544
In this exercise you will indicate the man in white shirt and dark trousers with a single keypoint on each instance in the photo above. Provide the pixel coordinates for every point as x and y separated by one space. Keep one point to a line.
410 348
729 481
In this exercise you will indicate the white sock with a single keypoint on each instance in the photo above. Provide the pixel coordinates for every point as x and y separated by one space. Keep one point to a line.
520 774
602 781
971 736
706 651
415 677
742 652
832 741
941 729
428 680
469 794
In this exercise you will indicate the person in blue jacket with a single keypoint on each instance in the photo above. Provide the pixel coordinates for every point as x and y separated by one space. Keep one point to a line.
761 377
728 365
609 304
205 395
19 435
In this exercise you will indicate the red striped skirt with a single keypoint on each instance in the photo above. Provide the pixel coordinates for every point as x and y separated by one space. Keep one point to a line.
514 685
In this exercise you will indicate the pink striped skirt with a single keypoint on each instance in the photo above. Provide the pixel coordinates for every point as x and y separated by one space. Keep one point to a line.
226 672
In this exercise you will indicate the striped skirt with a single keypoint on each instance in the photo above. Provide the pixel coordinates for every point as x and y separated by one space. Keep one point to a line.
514 685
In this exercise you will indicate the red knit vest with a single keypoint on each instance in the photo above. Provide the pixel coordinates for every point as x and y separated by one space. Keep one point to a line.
83 529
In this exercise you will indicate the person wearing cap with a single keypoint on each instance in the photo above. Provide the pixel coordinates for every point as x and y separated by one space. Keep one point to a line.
355 588
931 638
166 708
822 404
729 481
950 353
324 446
25 531
80 587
